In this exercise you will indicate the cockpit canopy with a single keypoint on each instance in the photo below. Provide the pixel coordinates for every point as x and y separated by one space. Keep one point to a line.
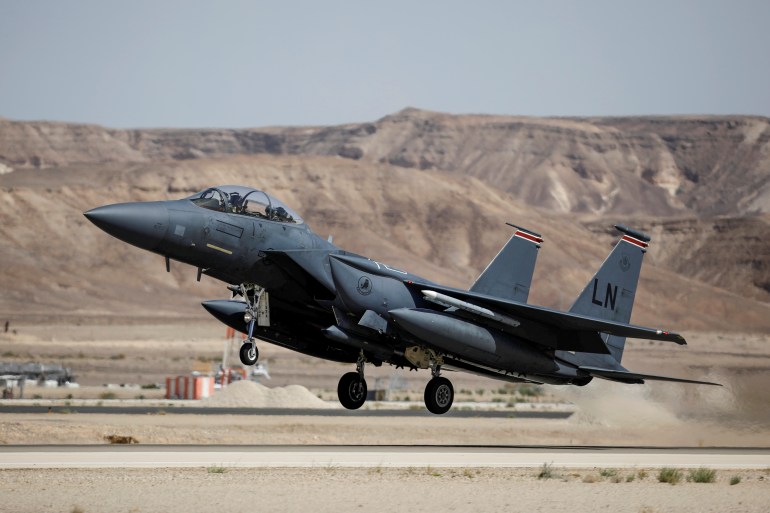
236 199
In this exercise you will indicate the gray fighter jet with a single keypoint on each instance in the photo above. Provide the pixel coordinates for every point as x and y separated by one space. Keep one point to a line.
299 291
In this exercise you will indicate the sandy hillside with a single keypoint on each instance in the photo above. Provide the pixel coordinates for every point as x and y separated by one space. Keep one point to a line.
445 228
425 191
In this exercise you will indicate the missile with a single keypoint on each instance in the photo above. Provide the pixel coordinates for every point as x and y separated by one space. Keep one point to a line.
449 301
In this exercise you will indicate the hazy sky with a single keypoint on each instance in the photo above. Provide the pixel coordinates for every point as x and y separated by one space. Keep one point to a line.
250 63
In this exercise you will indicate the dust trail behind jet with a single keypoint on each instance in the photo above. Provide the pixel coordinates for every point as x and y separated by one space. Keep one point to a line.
677 414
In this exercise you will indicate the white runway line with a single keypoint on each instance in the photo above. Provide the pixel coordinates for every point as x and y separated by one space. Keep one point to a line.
367 457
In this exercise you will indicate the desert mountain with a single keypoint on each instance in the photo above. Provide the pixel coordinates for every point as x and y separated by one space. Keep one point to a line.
664 166
423 191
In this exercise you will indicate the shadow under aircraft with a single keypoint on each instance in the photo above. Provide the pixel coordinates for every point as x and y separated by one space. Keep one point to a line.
297 290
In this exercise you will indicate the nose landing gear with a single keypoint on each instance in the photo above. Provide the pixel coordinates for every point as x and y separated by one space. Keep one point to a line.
257 314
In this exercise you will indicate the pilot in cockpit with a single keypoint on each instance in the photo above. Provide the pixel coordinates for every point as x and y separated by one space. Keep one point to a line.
283 215
236 203
279 214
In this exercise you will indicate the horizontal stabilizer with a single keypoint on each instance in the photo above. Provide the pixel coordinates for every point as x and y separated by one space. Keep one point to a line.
633 377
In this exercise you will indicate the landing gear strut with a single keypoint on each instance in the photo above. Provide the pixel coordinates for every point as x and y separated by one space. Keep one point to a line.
256 313
351 390
439 393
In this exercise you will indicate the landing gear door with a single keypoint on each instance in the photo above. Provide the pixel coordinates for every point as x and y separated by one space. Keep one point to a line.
263 310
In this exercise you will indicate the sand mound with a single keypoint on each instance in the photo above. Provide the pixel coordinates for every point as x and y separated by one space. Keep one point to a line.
247 394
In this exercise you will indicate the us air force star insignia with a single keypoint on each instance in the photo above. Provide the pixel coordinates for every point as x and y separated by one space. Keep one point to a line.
364 286
625 263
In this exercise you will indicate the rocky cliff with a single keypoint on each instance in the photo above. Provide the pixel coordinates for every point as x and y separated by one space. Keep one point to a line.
639 166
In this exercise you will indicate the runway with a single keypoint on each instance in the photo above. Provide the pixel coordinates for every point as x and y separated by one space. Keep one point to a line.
291 412
369 456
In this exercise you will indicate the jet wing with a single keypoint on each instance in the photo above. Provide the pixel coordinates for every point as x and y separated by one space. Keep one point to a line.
308 268
633 377
554 318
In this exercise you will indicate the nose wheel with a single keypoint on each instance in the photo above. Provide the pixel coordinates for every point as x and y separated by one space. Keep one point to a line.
249 353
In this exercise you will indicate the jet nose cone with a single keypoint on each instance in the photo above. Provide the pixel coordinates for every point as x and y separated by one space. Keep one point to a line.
141 224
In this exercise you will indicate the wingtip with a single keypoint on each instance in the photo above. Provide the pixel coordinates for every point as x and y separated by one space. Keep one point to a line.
633 233
672 337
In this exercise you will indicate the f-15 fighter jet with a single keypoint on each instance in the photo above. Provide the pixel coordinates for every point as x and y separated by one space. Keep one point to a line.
299 291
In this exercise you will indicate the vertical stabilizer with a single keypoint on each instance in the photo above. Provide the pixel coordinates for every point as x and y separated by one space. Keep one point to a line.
610 293
509 275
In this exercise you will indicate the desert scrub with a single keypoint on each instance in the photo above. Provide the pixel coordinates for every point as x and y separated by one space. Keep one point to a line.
669 475
608 472
702 475
546 472
735 480
530 391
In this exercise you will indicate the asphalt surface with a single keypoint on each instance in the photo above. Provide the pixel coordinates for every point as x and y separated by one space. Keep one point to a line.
294 456
192 410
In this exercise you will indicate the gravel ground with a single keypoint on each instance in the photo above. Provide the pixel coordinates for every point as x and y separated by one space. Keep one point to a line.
606 414
77 428
334 490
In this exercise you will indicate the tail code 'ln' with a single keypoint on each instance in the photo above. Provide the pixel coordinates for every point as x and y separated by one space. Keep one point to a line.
610 292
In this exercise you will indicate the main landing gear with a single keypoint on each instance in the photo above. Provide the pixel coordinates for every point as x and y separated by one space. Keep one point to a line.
351 390
439 392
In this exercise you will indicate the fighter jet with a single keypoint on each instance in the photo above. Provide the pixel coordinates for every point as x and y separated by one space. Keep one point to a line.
299 291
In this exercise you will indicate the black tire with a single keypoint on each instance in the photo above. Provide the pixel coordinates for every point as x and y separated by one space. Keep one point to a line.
352 391
439 395
582 381
246 358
